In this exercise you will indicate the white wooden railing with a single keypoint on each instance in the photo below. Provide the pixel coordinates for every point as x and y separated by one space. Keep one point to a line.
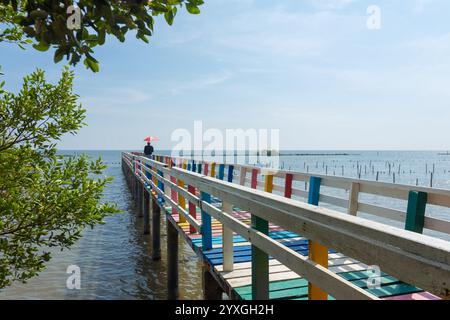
414 258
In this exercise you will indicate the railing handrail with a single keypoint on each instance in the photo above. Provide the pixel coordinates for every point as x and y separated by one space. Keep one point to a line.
436 196
412 257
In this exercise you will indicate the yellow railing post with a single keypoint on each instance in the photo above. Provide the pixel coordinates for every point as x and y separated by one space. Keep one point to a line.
317 252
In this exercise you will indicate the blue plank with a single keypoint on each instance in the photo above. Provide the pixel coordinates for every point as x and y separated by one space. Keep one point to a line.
247 247
248 258
248 252
237 238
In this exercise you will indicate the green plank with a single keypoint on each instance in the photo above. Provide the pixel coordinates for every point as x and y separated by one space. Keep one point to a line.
356 275
306 298
394 290
387 280
283 294
276 285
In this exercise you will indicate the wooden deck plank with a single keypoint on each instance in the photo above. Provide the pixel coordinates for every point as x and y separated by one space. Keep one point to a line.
282 277
414 296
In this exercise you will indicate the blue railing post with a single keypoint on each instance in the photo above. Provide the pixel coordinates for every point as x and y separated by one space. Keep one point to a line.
314 190
230 173
206 224
221 171
160 186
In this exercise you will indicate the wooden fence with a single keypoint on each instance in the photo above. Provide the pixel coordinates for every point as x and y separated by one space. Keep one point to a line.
273 197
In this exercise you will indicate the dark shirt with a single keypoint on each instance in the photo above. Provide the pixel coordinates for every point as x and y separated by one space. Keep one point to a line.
148 150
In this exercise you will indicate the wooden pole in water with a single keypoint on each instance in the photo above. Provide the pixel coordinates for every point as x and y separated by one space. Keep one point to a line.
172 262
135 186
141 200
156 229
146 211
211 288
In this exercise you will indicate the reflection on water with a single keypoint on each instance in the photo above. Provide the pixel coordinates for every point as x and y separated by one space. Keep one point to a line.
115 257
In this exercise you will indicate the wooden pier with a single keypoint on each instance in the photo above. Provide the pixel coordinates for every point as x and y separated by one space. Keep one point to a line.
259 235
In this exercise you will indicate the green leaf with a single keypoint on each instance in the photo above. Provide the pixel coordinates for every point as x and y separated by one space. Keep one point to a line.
85 34
169 16
142 36
158 7
41 46
59 54
101 36
192 8
92 64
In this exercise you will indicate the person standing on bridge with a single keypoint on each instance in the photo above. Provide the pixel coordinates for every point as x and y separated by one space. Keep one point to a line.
148 150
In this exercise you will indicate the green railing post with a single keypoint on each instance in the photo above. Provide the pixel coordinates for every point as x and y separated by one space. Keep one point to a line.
415 214
260 259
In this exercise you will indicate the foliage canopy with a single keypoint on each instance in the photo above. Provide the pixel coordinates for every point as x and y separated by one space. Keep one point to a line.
44 22
46 200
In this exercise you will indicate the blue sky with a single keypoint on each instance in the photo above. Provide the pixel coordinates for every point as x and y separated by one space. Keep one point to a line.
309 68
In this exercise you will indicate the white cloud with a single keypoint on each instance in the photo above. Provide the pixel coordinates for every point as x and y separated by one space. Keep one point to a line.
420 5
330 4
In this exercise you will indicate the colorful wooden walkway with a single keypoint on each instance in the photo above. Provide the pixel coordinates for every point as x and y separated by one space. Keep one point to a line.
284 283
199 227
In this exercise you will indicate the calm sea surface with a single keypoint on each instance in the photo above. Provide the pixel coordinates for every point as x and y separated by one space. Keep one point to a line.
114 258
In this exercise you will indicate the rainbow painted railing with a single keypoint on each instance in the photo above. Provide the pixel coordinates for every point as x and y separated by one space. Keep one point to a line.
221 192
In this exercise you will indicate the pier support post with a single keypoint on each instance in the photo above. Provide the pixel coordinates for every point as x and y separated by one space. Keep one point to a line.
211 288
140 199
136 190
156 229
172 262
146 208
